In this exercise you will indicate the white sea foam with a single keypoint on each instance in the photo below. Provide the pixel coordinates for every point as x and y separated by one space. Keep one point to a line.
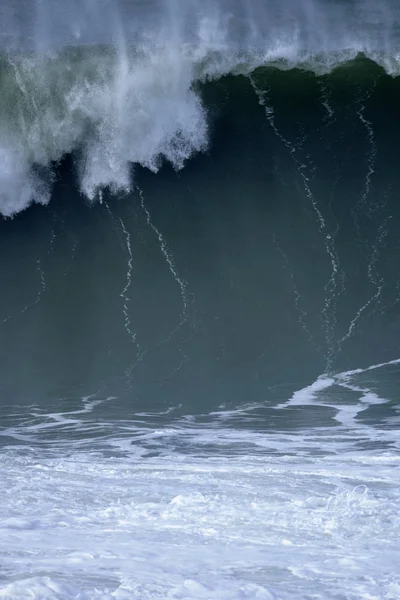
126 94
113 109
346 411
79 525
195 508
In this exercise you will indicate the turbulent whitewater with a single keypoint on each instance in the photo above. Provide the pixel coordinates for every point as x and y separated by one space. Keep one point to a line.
115 84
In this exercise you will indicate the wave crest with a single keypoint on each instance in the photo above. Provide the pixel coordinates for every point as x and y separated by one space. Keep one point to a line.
110 108
112 104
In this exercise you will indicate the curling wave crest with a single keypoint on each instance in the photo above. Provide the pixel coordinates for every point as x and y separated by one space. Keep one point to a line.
115 83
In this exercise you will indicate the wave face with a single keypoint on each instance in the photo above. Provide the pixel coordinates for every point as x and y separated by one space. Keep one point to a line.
275 253
116 83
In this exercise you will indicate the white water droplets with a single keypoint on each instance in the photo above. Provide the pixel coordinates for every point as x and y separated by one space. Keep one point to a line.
360 312
297 298
370 208
43 283
41 290
371 160
293 150
334 287
169 259
307 170
326 103
72 258
124 292
377 280
42 279
128 278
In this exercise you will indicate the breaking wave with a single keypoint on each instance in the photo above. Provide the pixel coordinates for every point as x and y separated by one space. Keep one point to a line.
112 103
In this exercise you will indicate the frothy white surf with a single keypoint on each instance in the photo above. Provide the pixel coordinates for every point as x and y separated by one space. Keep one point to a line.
303 516
346 411
196 507
126 93
114 110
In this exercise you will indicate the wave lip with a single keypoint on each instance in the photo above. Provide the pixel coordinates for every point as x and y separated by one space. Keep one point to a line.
117 87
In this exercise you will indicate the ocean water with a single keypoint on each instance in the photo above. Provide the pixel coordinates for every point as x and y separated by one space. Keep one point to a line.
200 300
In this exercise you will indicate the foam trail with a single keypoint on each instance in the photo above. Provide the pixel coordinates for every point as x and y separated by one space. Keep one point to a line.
115 221
346 413
43 282
71 258
371 155
270 114
376 281
128 279
124 293
302 313
389 363
169 259
354 321
328 313
58 421
334 287
382 233
322 226
325 100
42 289
309 393
371 160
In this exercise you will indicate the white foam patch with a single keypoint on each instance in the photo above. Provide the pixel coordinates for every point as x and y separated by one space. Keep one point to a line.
43 588
346 413
309 393
116 108
81 526
126 94
202 509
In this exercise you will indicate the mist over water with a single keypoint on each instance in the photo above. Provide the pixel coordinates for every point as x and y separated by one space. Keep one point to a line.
199 308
